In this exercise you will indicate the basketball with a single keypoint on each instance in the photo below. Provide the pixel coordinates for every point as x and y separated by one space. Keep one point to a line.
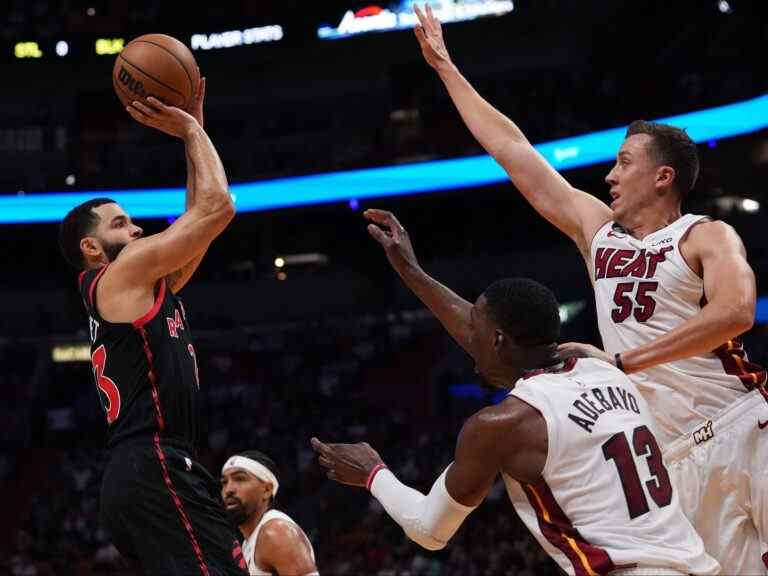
156 65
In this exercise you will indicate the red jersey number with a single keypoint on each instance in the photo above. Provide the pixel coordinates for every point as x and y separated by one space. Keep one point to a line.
642 307
106 384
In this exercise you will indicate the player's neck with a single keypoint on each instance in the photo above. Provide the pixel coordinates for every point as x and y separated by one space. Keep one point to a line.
247 527
650 220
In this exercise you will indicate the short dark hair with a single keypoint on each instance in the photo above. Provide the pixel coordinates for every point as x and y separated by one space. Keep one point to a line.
671 146
524 309
262 458
77 224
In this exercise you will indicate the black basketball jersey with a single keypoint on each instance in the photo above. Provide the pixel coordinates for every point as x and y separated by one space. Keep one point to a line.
145 371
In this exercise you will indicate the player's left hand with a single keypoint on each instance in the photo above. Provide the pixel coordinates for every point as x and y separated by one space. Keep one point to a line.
580 350
347 463
429 33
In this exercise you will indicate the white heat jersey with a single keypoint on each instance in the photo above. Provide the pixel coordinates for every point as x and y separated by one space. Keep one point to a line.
604 501
249 546
643 289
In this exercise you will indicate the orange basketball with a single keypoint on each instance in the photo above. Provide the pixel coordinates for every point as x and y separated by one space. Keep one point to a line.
156 65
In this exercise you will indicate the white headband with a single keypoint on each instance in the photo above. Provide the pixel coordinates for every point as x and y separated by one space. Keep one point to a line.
256 468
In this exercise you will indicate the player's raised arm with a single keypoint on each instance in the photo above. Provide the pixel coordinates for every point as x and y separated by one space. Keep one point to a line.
178 279
578 214
149 259
450 309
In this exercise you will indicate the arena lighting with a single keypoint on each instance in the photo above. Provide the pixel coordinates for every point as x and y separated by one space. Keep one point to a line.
400 16
725 7
301 259
109 46
588 149
234 38
61 353
570 310
27 50
749 205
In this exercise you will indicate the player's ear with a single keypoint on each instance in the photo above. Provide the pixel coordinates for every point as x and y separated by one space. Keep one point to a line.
268 491
90 246
498 339
665 176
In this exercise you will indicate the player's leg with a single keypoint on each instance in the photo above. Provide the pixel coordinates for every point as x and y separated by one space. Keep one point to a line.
724 518
196 492
154 503
702 476
116 494
756 450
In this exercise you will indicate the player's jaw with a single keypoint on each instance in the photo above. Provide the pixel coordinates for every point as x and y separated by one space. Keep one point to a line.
617 203
236 510
114 244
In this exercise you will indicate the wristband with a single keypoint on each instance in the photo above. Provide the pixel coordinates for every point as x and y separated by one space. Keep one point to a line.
372 475
617 360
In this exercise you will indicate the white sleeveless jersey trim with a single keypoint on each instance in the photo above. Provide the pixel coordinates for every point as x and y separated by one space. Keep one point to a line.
645 288
578 510
249 546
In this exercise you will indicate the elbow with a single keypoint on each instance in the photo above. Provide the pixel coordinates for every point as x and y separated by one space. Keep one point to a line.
427 542
223 207
740 319
228 208
746 320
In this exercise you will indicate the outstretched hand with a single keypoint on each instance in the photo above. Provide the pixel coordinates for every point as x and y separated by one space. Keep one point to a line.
349 464
429 33
388 232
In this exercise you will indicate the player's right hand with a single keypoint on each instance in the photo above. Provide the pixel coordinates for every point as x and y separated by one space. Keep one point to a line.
388 232
199 99
168 119
429 33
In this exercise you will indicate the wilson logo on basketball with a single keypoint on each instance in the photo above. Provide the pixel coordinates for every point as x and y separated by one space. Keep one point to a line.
135 86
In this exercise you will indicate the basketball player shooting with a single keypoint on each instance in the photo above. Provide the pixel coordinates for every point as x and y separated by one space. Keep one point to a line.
564 440
273 542
159 505
665 314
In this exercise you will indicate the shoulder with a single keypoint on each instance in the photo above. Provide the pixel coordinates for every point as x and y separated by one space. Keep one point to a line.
280 533
714 236
505 421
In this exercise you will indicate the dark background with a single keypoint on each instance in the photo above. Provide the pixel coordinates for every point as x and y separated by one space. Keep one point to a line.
340 350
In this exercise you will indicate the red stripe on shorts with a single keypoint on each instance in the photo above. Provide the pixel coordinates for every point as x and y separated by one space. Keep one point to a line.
180 507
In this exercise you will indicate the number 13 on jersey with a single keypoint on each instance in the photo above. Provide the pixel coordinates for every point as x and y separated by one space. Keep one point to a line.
644 444
106 385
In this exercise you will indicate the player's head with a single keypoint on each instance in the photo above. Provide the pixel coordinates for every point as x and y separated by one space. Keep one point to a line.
249 483
655 161
95 232
514 326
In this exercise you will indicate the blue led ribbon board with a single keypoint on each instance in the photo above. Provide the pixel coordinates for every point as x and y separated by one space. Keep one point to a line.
761 310
587 149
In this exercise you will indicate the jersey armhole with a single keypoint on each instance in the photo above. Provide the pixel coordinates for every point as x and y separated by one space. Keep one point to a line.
144 320
551 430
92 290
684 235
592 243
